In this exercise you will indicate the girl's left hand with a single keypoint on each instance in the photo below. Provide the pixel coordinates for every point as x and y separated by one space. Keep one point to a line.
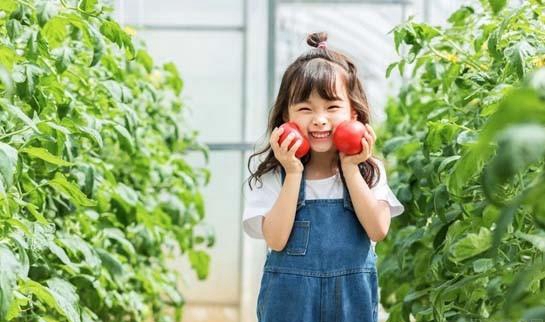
367 142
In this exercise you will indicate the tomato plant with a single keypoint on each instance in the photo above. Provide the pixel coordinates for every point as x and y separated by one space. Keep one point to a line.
465 142
95 192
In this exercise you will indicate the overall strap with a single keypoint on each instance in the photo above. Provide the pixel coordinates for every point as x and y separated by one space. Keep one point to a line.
346 199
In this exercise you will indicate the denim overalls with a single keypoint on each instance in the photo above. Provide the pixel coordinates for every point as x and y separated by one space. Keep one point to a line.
326 272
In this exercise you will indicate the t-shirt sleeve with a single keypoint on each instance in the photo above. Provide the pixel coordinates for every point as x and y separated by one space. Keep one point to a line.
383 192
258 201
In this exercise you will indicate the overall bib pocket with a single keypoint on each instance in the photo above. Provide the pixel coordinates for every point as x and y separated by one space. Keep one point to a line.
298 240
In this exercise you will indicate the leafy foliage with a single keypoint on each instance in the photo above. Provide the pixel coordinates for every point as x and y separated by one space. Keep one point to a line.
465 138
95 194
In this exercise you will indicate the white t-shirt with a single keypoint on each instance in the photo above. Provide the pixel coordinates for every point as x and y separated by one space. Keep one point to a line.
261 198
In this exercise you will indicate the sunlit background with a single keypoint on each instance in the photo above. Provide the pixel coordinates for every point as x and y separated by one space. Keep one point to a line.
231 55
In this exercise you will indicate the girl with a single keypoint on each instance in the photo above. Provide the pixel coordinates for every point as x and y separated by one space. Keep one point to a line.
318 215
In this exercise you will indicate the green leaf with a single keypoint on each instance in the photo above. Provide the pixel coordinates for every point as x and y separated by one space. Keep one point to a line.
497 5
522 105
43 154
113 265
471 245
200 262
458 18
125 138
440 132
38 216
6 81
390 68
16 111
113 31
26 76
87 5
70 191
8 57
518 147
8 5
173 78
394 143
506 216
75 245
21 246
537 240
534 314
482 265
126 196
8 279
61 254
446 162
8 164
46 10
517 55
55 31
493 41
16 223
92 134
66 297
98 45
536 80
450 76
119 236
63 58
42 293
145 59
14 29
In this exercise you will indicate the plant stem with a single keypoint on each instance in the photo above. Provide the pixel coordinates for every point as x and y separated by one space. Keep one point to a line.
14 133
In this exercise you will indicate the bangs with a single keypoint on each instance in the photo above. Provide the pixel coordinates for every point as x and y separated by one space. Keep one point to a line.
316 74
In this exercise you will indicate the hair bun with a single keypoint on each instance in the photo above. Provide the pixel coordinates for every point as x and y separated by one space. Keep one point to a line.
315 38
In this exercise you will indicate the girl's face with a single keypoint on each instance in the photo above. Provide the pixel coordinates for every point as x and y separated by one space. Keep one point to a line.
317 118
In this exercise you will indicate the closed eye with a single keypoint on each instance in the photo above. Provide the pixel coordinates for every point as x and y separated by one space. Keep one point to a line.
304 108
334 106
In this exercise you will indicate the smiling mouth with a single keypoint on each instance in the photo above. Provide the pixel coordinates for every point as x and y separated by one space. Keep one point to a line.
320 135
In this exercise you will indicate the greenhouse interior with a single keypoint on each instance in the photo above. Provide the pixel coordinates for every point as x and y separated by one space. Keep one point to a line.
143 176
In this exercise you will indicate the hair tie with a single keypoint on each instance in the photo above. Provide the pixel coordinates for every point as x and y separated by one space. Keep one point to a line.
322 44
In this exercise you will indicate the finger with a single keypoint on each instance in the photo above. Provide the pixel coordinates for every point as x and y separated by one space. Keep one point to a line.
274 134
369 138
365 147
295 146
277 132
371 131
287 142
274 139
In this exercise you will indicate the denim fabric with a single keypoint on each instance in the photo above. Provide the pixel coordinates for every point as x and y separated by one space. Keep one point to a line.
326 272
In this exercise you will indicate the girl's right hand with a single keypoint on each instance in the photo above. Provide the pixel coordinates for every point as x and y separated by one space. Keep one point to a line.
286 156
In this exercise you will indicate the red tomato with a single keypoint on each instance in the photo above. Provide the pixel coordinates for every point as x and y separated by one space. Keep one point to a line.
290 127
347 137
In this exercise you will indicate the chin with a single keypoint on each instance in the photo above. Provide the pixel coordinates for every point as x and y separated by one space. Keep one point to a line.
323 149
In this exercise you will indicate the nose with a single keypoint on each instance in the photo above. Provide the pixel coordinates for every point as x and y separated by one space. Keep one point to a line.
319 121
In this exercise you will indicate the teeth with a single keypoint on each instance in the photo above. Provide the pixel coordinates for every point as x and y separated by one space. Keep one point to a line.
320 135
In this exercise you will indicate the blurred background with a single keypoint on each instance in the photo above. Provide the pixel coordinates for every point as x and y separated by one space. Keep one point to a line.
231 55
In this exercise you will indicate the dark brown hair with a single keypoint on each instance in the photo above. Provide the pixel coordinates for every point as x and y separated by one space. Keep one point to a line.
316 69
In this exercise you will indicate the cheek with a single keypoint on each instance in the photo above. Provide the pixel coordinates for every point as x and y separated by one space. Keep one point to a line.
300 119
341 118
301 123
